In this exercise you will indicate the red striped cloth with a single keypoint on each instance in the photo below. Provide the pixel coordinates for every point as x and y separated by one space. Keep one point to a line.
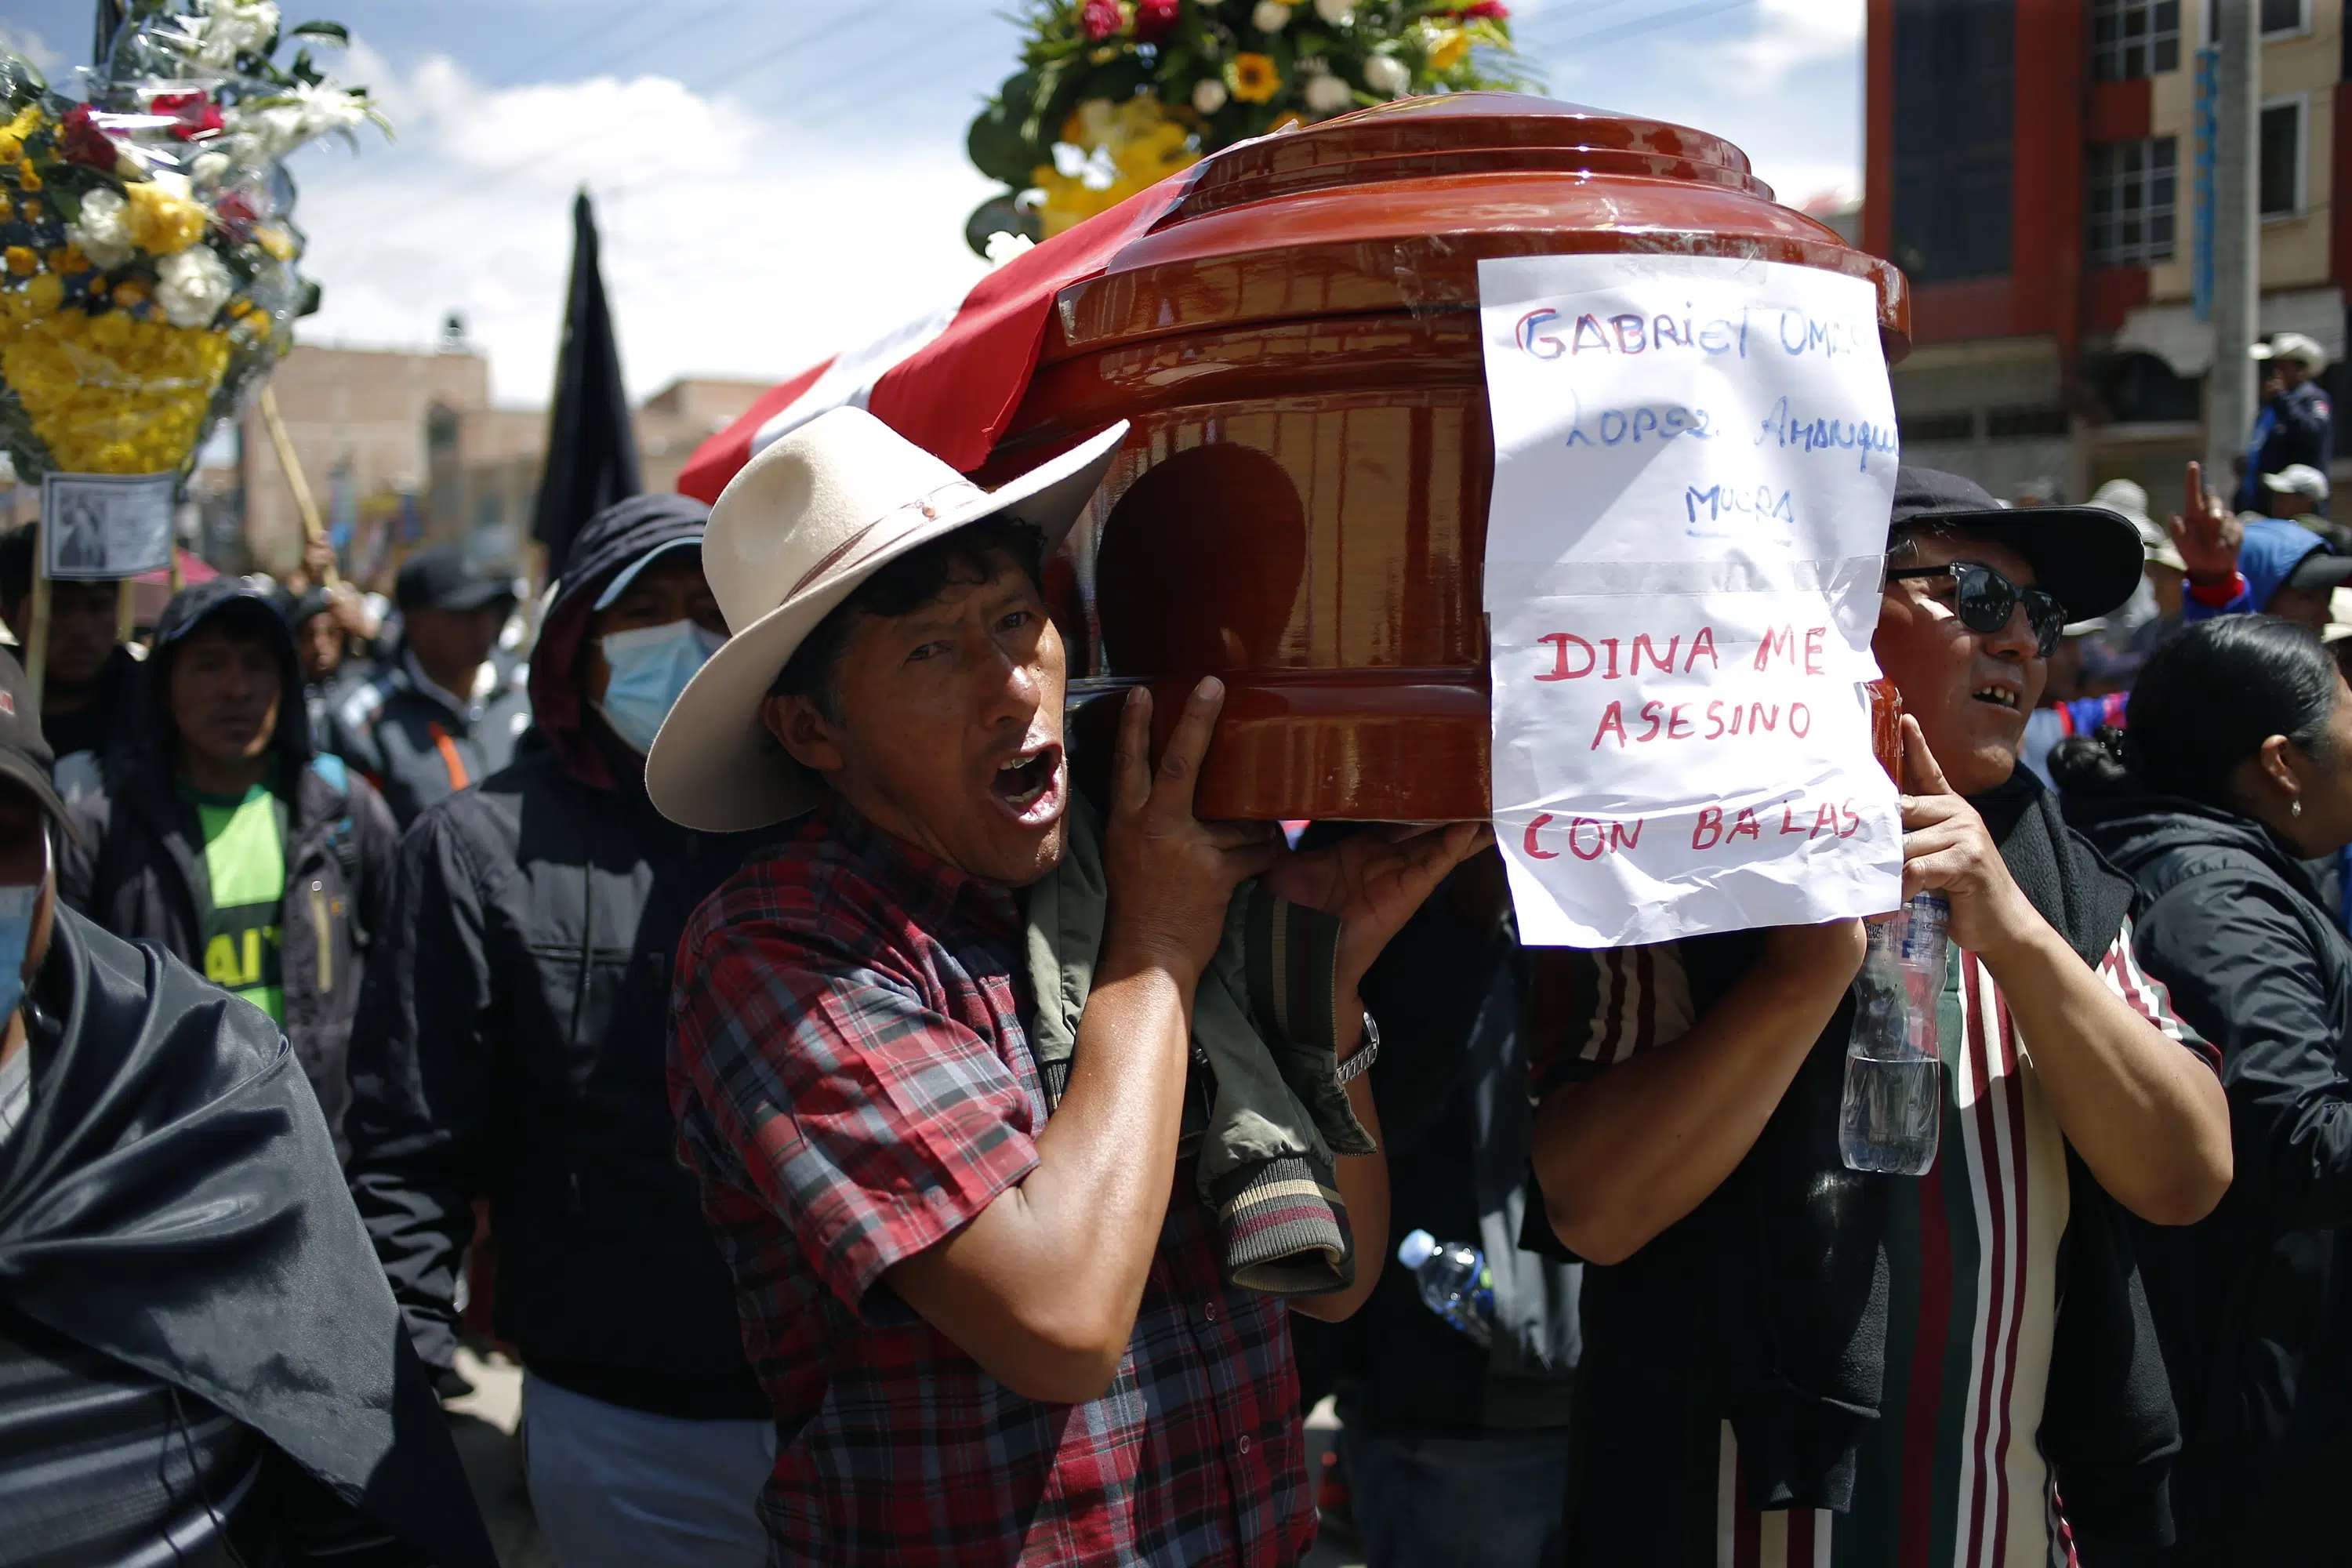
948 381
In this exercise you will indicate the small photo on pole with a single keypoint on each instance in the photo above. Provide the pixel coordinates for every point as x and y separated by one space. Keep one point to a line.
97 527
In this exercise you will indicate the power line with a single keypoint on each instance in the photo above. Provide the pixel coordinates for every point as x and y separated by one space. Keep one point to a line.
1664 19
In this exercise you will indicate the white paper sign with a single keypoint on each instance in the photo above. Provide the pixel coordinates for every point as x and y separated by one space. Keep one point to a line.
1694 462
100 526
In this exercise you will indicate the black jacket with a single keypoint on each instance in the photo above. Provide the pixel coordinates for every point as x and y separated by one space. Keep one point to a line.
416 749
2254 1312
139 868
175 1247
2301 430
513 1046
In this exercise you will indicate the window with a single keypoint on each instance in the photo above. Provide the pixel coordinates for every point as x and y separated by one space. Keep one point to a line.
2134 38
2135 190
1957 425
1955 86
2281 16
2281 138
2025 423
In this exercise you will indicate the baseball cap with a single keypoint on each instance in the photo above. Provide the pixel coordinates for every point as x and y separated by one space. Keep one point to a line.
2298 479
2089 556
25 760
441 579
2293 345
628 574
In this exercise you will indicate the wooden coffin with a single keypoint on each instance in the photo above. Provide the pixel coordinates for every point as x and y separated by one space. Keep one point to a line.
1301 505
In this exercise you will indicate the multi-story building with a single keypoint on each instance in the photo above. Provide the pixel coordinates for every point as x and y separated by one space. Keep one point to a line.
2031 165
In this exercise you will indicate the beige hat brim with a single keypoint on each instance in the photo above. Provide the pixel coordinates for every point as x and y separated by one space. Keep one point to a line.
714 767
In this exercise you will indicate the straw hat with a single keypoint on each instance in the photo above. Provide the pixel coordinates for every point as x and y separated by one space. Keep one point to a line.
820 510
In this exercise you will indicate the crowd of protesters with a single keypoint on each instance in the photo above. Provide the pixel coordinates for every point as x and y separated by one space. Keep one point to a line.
900 1139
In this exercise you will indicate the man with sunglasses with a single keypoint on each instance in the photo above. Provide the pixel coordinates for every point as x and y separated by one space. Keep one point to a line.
1803 1364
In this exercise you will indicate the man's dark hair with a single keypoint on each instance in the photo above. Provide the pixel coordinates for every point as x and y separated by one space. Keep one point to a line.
969 556
17 547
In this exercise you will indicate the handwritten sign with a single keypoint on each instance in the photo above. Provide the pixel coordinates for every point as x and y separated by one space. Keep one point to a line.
1694 462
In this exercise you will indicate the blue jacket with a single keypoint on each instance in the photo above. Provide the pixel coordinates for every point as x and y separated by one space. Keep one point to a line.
2296 427
2271 550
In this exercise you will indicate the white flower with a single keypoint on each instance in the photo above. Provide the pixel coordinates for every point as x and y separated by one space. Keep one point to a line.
1004 245
1329 94
263 135
1335 12
233 28
101 231
1208 95
192 285
1271 16
209 167
1387 74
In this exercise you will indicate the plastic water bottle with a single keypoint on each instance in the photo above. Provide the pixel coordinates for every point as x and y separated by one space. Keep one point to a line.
1894 1075
1455 1281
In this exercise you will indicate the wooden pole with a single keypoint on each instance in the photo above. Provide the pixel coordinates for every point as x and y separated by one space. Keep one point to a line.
126 609
314 528
36 656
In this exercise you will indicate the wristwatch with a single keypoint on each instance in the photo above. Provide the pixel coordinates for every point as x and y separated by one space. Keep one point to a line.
1361 1057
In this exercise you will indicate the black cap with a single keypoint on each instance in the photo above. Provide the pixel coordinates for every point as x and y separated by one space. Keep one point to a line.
25 757
440 579
2323 568
2088 556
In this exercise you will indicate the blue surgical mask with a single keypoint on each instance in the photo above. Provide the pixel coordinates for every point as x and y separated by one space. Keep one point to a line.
650 667
17 906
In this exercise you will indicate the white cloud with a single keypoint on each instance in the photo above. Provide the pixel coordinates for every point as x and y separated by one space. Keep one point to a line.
32 47
732 242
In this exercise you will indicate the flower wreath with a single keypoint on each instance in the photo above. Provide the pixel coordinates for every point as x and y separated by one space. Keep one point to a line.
1116 95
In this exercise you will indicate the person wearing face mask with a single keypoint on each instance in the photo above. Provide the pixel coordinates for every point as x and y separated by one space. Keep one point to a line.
198 1362
512 1048
224 838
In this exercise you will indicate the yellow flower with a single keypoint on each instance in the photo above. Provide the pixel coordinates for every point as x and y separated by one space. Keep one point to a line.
45 293
276 241
68 257
27 120
27 177
1253 78
22 262
1448 47
12 147
129 292
110 393
30 212
160 222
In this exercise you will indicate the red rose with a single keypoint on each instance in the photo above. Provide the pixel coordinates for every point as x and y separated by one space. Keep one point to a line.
1099 19
197 115
235 211
1484 11
1154 20
79 140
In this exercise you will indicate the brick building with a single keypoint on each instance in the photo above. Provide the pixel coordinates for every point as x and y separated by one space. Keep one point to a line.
2031 165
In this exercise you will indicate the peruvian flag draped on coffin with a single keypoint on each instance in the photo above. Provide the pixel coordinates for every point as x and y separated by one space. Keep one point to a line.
948 381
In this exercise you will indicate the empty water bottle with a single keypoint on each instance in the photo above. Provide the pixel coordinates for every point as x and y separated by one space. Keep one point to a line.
1894 1073
1455 1281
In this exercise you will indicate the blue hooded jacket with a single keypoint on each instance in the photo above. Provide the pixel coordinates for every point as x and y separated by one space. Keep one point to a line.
2271 550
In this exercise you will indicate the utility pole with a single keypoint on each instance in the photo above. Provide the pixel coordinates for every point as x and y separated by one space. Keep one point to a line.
2234 201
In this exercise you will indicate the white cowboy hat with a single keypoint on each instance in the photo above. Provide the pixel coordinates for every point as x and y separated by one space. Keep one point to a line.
809 519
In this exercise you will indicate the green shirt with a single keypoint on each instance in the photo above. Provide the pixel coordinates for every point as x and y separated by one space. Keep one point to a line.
243 907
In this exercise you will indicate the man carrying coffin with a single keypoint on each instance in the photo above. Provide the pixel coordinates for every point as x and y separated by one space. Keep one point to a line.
995 1318
1816 1365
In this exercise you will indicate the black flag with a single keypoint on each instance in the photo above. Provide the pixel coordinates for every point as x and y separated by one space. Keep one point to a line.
591 453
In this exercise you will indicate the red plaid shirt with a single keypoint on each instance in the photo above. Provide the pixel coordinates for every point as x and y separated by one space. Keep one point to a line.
853 1084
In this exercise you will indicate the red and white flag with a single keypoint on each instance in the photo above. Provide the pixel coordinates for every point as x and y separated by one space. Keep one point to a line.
948 381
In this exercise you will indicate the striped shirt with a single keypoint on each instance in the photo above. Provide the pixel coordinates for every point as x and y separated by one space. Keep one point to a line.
1952 1475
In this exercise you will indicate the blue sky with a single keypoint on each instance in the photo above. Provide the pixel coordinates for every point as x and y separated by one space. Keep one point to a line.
780 178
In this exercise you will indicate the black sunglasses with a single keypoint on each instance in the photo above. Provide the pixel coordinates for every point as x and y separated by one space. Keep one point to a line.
1986 600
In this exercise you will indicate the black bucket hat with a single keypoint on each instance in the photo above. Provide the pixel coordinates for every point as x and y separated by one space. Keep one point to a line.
2088 556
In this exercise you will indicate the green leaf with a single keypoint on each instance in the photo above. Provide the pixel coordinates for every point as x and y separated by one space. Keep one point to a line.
998 143
310 305
326 32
